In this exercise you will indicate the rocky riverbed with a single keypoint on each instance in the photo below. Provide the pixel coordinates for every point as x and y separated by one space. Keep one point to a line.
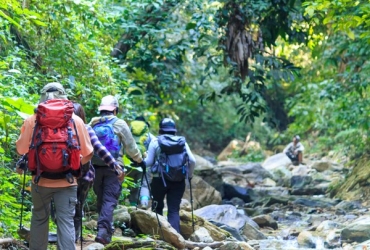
270 205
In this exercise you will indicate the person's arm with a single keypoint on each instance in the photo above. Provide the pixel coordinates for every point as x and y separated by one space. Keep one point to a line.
24 139
100 149
191 161
151 153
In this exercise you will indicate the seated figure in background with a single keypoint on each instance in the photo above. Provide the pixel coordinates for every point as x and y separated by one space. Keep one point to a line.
294 150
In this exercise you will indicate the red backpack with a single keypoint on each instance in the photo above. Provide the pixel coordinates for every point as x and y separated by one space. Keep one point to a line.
54 153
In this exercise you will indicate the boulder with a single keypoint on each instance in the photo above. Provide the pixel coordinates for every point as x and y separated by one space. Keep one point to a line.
265 220
202 163
201 235
94 246
252 233
276 161
203 193
146 222
307 239
321 166
213 177
226 214
232 191
357 231
233 231
186 227
121 216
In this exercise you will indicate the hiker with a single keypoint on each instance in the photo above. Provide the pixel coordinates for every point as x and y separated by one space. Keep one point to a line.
140 131
171 162
88 171
115 135
46 185
294 150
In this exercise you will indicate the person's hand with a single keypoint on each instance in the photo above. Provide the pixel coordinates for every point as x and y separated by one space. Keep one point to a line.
142 165
120 173
19 170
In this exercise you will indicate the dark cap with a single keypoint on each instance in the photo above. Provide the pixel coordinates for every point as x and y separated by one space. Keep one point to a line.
167 125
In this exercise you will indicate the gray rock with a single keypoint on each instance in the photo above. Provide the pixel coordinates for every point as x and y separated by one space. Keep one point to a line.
202 163
201 235
328 225
357 231
203 193
94 246
265 220
252 233
315 202
349 205
321 166
307 239
276 161
226 214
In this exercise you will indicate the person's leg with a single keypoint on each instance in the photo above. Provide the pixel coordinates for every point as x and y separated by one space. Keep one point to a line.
300 157
65 203
174 194
111 191
39 230
82 192
158 192
98 187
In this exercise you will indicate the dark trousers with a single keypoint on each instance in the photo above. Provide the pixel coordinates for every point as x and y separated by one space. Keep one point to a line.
107 189
173 192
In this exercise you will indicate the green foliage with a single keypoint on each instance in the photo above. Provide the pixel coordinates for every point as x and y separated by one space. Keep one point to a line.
10 202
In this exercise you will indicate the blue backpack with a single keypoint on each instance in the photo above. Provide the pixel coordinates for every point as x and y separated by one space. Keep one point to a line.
105 132
173 160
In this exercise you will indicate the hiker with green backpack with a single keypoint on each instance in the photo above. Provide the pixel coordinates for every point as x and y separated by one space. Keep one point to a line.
171 162
141 133
56 143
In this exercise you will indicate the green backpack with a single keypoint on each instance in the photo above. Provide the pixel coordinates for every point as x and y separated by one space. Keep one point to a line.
141 134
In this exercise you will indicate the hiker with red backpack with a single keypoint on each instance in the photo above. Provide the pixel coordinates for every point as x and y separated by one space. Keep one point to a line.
57 143
115 135
88 172
171 162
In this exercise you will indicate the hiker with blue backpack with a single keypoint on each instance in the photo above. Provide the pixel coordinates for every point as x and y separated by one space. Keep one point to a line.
171 162
115 135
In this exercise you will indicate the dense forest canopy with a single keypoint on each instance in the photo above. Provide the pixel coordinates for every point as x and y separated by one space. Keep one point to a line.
220 68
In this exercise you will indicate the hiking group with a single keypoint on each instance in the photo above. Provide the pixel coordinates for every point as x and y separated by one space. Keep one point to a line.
66 157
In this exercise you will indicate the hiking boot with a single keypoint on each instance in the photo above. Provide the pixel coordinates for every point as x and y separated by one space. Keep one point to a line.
103 237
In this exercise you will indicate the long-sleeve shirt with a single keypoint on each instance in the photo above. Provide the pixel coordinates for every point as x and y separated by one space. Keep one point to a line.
128 142
294 149
154 151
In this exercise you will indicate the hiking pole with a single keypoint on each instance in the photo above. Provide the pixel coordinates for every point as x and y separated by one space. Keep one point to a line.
22 165
22 193
154 207
191 202
155 203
